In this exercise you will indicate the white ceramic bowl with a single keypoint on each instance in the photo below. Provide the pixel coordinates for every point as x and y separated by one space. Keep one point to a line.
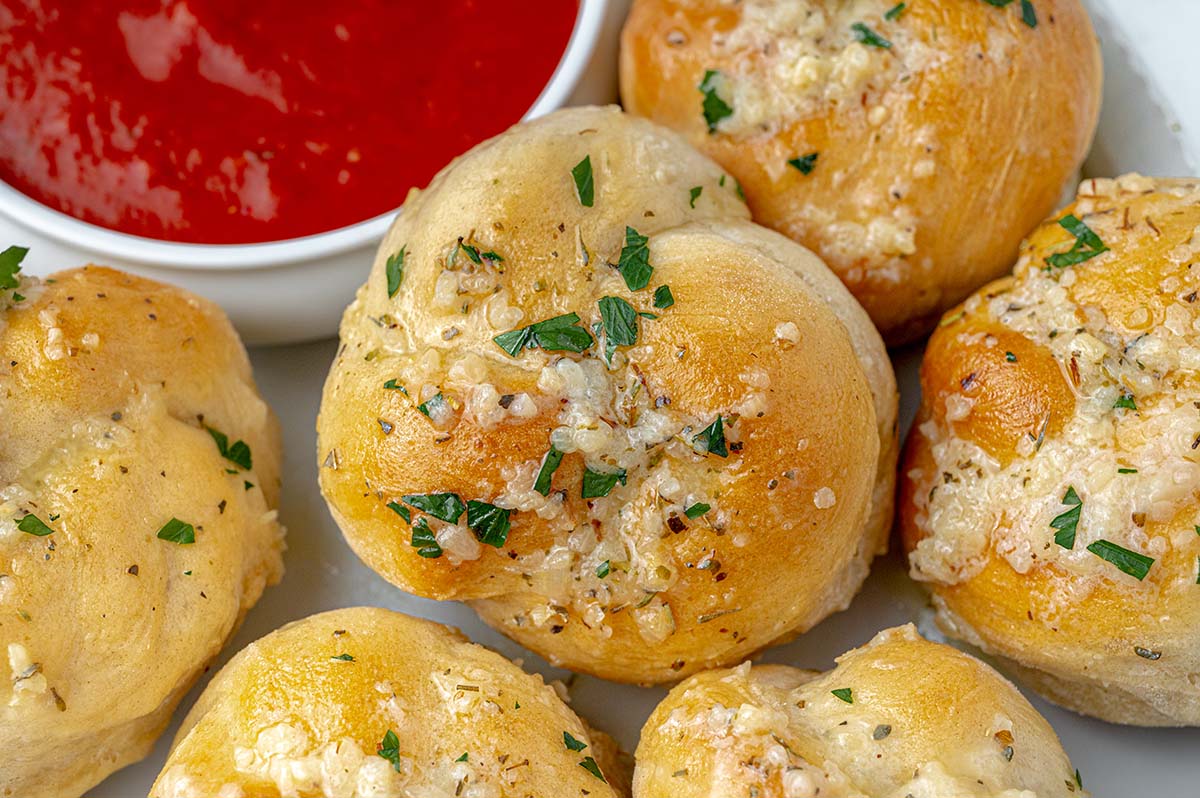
283 291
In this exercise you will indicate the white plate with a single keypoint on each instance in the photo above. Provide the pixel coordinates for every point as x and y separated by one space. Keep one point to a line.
322 572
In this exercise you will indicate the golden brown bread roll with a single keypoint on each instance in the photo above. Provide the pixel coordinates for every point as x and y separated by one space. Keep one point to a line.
911 153
130 547
898 717
1049 491
367 702
697 542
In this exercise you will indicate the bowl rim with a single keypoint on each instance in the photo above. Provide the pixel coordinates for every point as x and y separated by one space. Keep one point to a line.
65 229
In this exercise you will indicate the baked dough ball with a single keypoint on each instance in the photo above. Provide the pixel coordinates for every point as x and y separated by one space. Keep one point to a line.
108 611
898 717
368 702
910 153
1051 478
722 484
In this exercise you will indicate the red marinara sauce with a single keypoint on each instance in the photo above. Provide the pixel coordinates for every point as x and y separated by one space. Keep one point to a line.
235 121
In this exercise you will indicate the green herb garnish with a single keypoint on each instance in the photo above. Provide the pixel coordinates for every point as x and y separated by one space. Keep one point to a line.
712 438
1010 357
590 766
572 744
895 11
1125 402
694 194
1132 563
620 324
474 254
663 298
395 271
1127 470
1067 521
238 453
489 522
1087 244
392 385
598 484
400 510
462 758
446 507
604 569
634 262
696 510
389 749
715 109
424 541
434 404
869 37
177 531
32 525
585 187
343 658
844 693
805 163
1028 15
10 264
550 464
558 334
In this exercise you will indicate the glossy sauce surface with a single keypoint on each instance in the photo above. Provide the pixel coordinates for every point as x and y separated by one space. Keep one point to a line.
224 121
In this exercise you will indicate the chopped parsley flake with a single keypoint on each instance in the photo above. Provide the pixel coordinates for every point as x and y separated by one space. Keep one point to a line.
32 525
10 264
434 404
604 569
895 11
1067 522
712 438
392 385
238 453
1010 357
869 37
475 256
715 109
634 262
1127 470
489 522
400 510
663 298
550 464
395 271
590 766
1087 244
598 484
1132 563
1125 402
620 324
572 744
558 334
585 187
424 541
694 194
1028 15
696 510
845 694
177 531
389 749
462 758
446 507
343 658
805 163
